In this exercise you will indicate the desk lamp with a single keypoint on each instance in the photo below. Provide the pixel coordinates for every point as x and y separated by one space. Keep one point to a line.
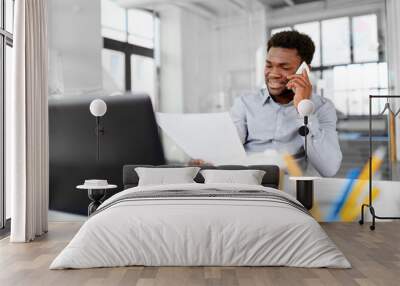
305 108
98 108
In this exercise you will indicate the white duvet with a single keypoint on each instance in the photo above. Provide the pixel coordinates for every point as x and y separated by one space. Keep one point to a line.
200 231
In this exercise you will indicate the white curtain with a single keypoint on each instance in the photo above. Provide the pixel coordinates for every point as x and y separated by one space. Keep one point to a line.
27 123
393 58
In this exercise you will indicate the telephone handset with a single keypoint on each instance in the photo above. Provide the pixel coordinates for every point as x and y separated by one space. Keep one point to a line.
300 70
302 67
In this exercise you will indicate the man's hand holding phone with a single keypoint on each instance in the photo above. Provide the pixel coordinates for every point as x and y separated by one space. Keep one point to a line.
300 84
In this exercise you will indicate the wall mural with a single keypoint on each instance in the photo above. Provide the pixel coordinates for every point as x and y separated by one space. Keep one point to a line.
353 193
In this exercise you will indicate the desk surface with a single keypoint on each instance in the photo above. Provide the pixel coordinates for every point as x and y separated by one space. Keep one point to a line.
304 178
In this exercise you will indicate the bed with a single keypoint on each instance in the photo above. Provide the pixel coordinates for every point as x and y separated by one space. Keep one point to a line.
201 224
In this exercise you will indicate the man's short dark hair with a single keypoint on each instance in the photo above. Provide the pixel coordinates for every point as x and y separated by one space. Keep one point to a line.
294 40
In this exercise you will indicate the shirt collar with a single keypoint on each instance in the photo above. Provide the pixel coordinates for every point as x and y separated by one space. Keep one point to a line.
266 98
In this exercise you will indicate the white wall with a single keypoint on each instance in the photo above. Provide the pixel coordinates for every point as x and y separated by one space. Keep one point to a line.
171 80
237 64
204 58
197 64
75 45
206 62
171 84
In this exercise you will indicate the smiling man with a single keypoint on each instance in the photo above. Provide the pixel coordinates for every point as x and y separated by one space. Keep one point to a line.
269 119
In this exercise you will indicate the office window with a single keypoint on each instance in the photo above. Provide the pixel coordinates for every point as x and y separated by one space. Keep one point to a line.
347 59
6 60
336 41
9 15
349 86
143 75
130 49
365 38
312 29
141 28
113 63
113 21
7 89
277 30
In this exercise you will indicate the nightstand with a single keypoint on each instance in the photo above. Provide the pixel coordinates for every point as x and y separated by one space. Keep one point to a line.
96 194
305 190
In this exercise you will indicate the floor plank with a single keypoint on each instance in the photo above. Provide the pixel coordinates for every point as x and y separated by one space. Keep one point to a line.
375 257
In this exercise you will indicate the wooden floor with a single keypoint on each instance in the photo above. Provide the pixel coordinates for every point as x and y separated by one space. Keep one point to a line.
375 257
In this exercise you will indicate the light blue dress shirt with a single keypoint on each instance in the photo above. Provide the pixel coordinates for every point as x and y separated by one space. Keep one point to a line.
264 124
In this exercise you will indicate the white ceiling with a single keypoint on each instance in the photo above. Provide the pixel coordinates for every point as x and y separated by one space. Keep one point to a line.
213 8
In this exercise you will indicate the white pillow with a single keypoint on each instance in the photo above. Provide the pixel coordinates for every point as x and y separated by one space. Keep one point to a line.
248 177
163 176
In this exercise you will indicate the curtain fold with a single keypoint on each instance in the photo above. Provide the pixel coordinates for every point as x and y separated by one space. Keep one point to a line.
27 123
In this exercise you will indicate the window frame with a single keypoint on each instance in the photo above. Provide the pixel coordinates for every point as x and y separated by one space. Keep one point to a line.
381 55
128 49
322 68
131 49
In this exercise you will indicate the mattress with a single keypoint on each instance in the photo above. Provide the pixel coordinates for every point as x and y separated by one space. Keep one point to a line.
201 225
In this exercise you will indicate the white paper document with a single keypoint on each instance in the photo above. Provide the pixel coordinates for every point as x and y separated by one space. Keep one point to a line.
211 137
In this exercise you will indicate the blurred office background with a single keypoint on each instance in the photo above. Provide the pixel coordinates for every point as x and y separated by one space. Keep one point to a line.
199 55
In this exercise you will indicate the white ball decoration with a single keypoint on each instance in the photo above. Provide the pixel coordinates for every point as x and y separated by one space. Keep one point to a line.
98 107
305 107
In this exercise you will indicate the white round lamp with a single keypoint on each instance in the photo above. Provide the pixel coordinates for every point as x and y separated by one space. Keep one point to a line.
98 107
305 108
